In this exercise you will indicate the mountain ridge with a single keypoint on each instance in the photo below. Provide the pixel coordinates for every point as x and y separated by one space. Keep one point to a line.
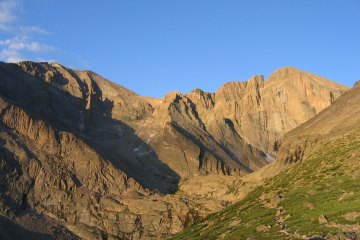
309 192
59 124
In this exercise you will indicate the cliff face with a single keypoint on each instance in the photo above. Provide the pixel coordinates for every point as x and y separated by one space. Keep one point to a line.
240 127
60 157
96 156
310 191
341 119
262 111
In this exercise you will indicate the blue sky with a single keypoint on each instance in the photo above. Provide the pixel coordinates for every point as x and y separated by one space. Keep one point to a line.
153 47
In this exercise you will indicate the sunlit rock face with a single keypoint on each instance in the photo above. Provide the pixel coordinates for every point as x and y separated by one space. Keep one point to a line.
97 158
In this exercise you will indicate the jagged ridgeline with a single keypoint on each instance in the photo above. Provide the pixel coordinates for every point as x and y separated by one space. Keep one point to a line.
314 189
89 158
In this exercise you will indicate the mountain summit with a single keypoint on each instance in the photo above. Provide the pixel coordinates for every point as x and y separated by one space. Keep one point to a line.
98 158
313 192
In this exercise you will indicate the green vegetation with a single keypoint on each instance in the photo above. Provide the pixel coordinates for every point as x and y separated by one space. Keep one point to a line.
233 188
250 211
317 196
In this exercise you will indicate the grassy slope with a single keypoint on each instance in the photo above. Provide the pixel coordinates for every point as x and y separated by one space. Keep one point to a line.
289 205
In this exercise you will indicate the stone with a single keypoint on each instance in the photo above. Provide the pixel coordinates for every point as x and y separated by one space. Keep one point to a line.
102 161
323 219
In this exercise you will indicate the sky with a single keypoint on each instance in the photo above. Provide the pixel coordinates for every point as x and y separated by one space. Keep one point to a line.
154 47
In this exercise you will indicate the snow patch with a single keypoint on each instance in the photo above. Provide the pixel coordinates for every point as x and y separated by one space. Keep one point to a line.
140 151
269 158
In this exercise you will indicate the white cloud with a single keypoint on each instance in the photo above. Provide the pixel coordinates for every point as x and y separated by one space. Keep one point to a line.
33 30
25 42
49 60
22 40
7 15
11 55
18 44
15 48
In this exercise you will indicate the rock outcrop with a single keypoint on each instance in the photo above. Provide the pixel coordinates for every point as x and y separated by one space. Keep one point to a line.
309 192
262 111
98 158
57 174
334 122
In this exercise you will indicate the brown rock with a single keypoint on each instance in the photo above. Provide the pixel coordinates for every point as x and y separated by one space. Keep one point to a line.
97 158
333 122
262 228
350 216
323 219
357 84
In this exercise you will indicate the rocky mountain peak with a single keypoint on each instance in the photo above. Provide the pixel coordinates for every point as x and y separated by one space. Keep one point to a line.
256 82
79 141
283 72
231 88
172 96
357 84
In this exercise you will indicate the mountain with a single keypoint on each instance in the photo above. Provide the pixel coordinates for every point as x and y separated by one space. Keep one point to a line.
95 158
334 122
314 192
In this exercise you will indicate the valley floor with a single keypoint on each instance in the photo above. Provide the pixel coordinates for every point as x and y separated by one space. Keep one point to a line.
318 197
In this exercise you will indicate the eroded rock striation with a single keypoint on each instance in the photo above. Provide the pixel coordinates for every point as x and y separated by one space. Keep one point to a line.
334 122
98 158
309 192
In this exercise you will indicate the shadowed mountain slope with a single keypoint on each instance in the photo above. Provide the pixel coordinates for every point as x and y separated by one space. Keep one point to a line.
313 193
97 158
